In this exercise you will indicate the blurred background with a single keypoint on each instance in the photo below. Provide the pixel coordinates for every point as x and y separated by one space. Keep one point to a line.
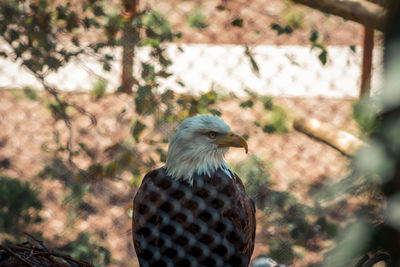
90 92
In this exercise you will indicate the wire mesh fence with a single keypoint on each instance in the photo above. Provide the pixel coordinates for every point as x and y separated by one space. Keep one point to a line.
257 66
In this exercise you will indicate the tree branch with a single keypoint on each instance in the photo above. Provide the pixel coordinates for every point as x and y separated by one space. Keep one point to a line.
361 11
341 140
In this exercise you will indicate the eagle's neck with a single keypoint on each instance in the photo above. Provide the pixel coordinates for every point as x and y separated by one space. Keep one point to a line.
187 163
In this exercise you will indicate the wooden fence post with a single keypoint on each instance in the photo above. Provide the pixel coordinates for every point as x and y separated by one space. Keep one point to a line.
366 71
129 39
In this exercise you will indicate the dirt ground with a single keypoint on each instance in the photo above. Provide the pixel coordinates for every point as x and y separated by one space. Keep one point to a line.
27 131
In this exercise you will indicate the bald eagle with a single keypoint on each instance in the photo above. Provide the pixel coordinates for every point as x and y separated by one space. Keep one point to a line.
194 211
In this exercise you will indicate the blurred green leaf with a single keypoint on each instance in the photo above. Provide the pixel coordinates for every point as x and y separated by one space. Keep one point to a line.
137 130
197 19
331 229
375 162
31 93
281 29
182 84
313 36
58 109
98 10
268 102
247 104
99 88
353 243
162 154
148 72
254 65
167 96
364 114
144 100
220 7
323 56
269 128
294 19
238 22
215 112
158 24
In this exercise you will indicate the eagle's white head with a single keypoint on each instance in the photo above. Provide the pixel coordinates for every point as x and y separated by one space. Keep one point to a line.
198 147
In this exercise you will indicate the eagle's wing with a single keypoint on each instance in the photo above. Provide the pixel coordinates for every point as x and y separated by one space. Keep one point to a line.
144 219
249 223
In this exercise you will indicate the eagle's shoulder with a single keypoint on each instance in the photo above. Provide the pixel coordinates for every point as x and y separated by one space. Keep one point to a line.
158 178
147 192
154 174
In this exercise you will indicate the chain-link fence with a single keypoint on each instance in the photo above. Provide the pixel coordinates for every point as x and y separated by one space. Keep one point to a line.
261 68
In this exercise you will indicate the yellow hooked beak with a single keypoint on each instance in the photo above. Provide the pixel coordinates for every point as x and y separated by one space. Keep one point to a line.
231 140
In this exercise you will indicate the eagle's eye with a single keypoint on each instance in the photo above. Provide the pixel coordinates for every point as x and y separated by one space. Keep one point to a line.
212 135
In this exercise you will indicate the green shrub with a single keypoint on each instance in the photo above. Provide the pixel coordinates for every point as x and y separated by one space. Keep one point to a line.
19 206
87 247
99 88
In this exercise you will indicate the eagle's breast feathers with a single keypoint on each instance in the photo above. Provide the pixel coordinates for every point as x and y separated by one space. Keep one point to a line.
212 220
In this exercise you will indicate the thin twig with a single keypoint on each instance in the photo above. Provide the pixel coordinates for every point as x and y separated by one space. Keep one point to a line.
84 112
377 258
38 256
40 242
362 261
18 256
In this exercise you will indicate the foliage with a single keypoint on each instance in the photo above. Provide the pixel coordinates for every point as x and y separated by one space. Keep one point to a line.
292 15
315 44
254 65
364 115
294 20
45 36
31 94
32 29
197 19
19 206
278 121
59 109
57 169
137 130
296 226
376 166
275 118
99 88
281 29
87 247
257 179
158 29
76 190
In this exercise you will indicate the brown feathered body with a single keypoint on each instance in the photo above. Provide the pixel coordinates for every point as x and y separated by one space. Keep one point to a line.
208 223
